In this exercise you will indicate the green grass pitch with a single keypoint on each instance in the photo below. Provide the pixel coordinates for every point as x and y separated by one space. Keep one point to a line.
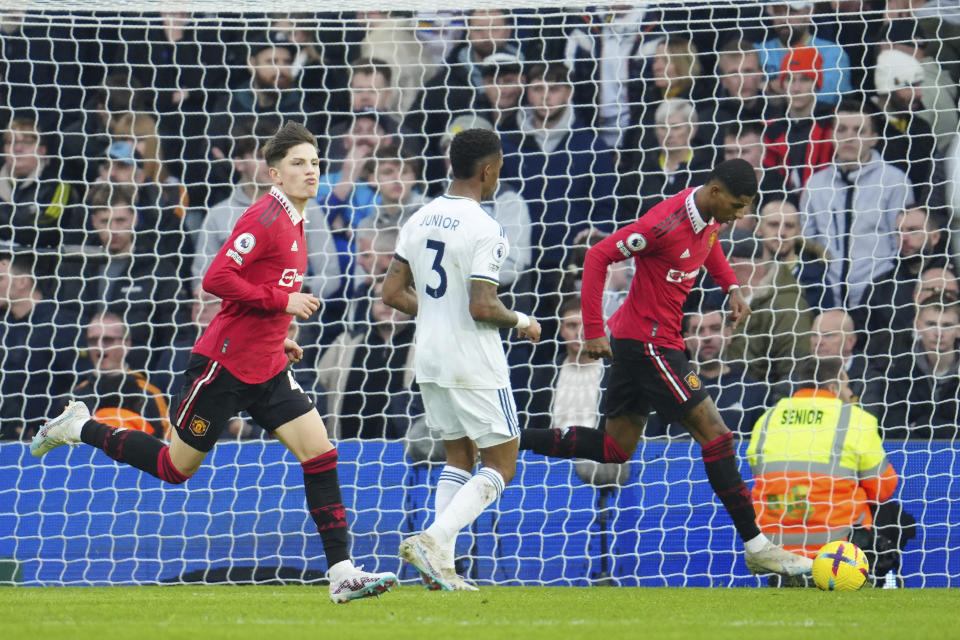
531 613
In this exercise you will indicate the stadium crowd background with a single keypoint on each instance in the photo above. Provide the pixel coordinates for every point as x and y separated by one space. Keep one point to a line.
131 147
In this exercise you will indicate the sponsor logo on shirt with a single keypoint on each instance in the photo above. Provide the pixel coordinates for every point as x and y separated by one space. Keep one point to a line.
289 277
293 247
199 426
236 257
676 275
685 254
244 243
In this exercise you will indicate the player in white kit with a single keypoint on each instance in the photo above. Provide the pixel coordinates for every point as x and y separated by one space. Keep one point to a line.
445 272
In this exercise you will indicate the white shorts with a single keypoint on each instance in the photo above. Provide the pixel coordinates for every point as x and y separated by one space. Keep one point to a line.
486 416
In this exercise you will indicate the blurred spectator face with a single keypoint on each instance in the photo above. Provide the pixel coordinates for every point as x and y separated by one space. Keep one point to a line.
937 329
854 137
939 282
374 263
571 332
205 307
747 145
503 90
741 75
789 23
395 181
365 134
905 99
380 313
549 100
487 32
800 90
677 134
743 268
370 92
618 276
272 68
706 336
115 228
107 343
779 228
915 239
833 335
253 169
13 287
22 151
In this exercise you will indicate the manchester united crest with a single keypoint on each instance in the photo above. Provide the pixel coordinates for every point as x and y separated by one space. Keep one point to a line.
713 239
692 381
199 426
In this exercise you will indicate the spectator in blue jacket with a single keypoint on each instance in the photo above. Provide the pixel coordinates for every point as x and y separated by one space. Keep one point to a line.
793 26
564 171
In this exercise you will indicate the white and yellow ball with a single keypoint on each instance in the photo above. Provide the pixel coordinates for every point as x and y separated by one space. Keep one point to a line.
840 566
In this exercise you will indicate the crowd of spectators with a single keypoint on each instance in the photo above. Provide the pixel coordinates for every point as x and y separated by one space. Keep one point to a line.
131 145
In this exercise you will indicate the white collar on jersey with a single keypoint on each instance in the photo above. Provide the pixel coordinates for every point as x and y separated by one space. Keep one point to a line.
699 224
295 216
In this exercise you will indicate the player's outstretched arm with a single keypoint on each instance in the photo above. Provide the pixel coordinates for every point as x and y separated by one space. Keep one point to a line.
485 306
398 288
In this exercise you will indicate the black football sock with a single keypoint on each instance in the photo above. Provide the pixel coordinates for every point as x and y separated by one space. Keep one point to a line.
136 448
326 505
721 465
575 442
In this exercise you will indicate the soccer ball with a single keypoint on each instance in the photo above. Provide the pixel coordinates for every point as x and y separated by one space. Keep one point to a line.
840 566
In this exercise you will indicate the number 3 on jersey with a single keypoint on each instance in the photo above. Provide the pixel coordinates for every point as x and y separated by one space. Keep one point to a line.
441 289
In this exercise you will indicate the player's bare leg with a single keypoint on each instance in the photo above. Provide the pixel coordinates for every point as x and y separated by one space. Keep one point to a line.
616 442
306 438
704 423
423 551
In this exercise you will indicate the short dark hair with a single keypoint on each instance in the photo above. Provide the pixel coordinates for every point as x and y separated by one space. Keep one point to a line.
290 135
393 153
553 72
468 148
104 195
738 129
570 304
702 311
21 264
370 67
820 372
737 175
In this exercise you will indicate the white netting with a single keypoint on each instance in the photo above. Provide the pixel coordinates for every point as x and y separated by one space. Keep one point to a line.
131 148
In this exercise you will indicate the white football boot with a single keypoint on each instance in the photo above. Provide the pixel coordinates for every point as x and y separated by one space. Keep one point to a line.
422 552
64 429
361 584
774 559
456 581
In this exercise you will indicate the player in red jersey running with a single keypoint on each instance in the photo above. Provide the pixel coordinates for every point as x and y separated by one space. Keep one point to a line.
650 370
240 363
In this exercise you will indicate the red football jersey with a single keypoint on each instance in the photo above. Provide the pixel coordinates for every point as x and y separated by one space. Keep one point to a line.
263 261
668 245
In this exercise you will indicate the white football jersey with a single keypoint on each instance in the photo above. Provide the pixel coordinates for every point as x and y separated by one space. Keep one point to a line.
447 243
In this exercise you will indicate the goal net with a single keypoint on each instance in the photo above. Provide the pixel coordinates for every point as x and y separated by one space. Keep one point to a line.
132 142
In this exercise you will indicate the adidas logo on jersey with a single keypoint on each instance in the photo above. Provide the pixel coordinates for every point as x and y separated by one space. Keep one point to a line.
685 254
293 247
